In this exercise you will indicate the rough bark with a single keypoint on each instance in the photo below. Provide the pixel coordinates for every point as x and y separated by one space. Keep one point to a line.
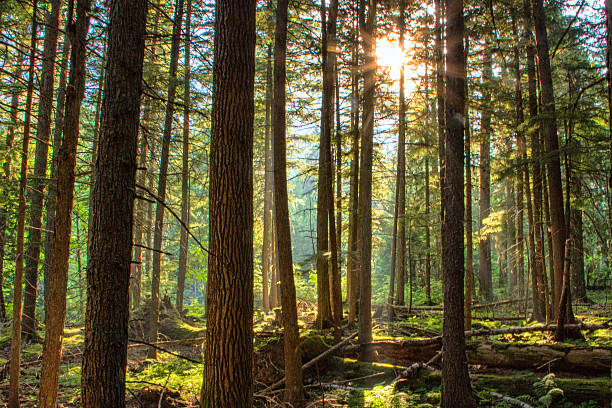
108 277
484 247
38 182
13 397
60 255
368 34
549 134
608 8
469 253
440 107
294 392
267 262
153 315
228 380
184 240
456 390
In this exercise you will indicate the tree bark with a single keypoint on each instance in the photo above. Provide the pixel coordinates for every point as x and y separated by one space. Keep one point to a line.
184 243
60 255
13 397
549 133
153 313
440 107
294 391
108 277
368 30
267 262
38 182
484 246
229 336
469 253
456 390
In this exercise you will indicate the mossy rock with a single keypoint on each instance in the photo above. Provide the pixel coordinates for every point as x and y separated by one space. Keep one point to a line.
311 346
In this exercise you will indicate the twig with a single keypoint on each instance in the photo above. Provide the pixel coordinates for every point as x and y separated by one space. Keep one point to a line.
135 397
161 394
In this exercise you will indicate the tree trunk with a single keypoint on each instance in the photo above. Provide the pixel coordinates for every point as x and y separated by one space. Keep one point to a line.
184 243
440 107
267 263
153 313
108 277
60 255
469 257
368 29
13 397
484 246
401 173
229 335
352 261
294 392
338 140
6 168
37 188
608 8
456 390
541 308
324 306
549 133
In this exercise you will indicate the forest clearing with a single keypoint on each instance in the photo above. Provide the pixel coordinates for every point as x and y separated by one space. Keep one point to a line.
300 204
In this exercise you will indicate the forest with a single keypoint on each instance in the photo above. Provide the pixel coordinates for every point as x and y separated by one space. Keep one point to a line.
334 203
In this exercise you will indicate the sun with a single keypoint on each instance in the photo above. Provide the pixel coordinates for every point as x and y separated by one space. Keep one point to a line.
391 58
389 55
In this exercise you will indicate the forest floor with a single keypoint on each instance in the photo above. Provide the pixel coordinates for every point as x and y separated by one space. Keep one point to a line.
174 380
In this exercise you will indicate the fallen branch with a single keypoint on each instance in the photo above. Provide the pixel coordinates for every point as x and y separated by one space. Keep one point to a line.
311 362
510 400
475 307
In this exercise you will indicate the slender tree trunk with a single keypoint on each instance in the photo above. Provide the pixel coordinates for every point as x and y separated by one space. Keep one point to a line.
6 167
266 273
368 29
153 313
324 305
392 299
184 243
338 140
229 335
484 276
547 228
294 392
50 202
541 308
549 133
108 277
456 390
38 182
440 106
469 253
60 255
352 262
13 398
511 222
608 7
401 173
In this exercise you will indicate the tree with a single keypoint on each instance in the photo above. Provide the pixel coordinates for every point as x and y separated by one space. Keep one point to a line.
228 378
43 135
469 253
368 34
58 282
184 243
456 390
153 312
108 277
13 399
294 392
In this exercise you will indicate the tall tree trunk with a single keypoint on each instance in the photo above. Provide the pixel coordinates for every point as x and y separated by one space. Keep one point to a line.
484 275
368 30
13 398
324 306
401 173
541 306
294 392
267 263
440 107
338 140
229 335
37 188
6 169
108 272
153 312
511 222
60 255
352 261
456 390
577 261
50 202
469 253
549 134
608 7
392 299
184 243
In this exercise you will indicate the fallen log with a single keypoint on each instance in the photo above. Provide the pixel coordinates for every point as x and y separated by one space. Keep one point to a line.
474 307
